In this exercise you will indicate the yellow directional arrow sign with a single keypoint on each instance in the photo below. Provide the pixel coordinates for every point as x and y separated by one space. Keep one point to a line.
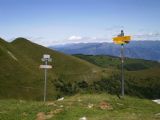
122 39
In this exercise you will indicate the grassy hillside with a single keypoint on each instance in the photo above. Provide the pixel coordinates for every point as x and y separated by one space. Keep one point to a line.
91 106
142 77
21 77
114 62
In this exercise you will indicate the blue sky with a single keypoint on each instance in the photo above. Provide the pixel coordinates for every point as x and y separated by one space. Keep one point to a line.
50 22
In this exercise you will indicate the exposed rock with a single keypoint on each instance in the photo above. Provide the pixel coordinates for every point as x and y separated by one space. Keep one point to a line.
61 99
105 105
83 118
51 104
90 105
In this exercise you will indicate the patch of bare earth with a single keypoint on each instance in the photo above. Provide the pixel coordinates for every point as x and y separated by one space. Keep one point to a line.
43 116
105 105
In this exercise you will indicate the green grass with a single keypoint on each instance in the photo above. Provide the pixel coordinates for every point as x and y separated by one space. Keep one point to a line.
141 76
75 107
22 78
21 85
114 62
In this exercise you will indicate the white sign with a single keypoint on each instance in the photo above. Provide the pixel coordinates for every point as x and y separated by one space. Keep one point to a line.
46 66
46 56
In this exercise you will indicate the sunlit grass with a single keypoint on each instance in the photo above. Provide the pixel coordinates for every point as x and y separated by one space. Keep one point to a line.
75 107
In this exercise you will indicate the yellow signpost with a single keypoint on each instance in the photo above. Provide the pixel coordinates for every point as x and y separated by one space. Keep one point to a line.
121 40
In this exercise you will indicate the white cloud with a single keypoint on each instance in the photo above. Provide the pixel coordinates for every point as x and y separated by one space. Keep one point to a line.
108 38
75 38
147 36
47 41
80 39
71 39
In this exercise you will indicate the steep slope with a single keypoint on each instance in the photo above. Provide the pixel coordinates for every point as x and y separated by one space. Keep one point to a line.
12 73
21 77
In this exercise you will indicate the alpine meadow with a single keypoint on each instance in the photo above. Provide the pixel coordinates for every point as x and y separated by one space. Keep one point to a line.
79 60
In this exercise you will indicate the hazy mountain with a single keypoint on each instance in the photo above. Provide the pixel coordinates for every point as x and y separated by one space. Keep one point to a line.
149 50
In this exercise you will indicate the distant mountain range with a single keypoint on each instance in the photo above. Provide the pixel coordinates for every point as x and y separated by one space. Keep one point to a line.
149 50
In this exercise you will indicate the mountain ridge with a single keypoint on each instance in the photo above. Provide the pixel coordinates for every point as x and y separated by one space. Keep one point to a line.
23 79
149 50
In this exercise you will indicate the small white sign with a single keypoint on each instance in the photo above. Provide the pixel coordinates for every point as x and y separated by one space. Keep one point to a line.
46 66
46 56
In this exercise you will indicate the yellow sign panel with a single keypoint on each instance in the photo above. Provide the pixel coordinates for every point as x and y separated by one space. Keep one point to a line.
122 39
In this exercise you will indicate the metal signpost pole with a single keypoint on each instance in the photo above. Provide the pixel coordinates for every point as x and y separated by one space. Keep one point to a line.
45 81
122 69
121 40
46 58
122 62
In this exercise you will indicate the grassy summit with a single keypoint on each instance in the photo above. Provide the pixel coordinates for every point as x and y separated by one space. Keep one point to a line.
21 77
